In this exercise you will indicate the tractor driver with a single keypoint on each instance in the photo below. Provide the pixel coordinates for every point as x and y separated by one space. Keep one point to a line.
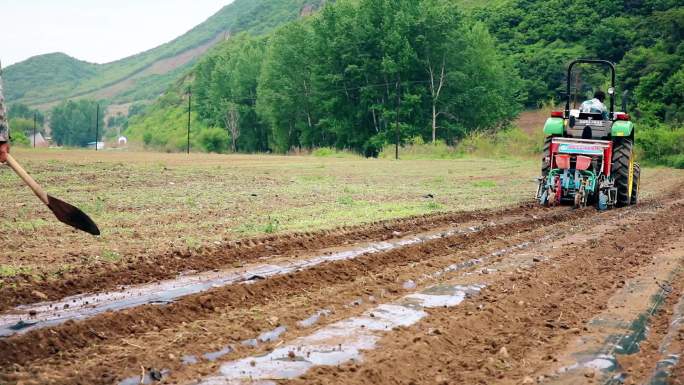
595 105
4 127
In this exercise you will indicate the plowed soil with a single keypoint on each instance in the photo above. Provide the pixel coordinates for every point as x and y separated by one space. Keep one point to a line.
548 273
110 276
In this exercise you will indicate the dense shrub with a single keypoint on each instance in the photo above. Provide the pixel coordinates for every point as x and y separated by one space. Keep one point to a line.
214 139
19 139
510 142
661 145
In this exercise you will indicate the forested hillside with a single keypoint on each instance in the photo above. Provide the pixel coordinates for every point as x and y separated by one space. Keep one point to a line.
644 37
362 74
56 77
345 77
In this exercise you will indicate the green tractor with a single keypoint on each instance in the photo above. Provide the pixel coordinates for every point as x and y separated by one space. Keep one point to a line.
589 156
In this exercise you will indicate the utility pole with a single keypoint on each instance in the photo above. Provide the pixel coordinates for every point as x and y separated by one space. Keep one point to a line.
35 118
396 148
578 83
189 109
97 124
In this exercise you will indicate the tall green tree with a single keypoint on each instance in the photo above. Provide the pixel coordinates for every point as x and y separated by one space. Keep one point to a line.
226 92
19 110
485 87
73 122
644 39
358 75
287 99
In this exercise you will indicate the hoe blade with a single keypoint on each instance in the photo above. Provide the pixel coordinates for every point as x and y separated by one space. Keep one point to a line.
72 216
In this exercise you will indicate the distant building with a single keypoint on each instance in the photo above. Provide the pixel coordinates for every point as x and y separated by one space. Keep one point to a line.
100 145
38 140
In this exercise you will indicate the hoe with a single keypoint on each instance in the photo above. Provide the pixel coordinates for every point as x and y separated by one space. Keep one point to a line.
589 160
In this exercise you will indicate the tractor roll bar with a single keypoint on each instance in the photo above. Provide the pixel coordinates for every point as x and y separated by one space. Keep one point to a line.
612 83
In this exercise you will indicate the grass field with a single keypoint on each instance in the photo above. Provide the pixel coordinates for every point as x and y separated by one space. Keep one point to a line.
148 203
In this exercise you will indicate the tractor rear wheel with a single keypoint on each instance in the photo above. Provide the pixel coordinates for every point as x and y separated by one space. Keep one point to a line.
623 170
635 184
546 160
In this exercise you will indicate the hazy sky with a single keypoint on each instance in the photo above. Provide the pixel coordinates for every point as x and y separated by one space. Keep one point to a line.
97 31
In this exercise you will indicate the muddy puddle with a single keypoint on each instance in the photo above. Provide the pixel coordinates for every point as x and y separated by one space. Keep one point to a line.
433 297
341 342
30 317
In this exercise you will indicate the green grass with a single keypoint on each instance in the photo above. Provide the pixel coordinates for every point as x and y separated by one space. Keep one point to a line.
509 143
327 152
149 203
111 256
484 184
7 271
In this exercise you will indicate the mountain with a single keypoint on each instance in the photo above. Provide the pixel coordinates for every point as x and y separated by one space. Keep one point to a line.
44 80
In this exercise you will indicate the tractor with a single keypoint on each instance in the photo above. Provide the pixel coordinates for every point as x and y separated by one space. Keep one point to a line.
588 159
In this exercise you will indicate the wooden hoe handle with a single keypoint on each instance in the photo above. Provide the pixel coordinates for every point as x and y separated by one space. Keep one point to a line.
27 179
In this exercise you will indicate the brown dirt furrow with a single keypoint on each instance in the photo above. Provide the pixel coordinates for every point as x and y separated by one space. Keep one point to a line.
75 335
677 374
25 289
520 322
99 357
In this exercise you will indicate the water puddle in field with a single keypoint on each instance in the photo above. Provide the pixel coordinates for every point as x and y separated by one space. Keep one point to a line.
30 317
311 321
189 359
213 356
272 335
340 342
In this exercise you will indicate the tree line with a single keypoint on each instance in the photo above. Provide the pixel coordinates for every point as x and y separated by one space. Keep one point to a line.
644 38
350 75
74 123
353 76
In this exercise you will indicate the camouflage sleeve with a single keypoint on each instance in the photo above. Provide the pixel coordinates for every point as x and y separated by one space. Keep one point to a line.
4 133
4 120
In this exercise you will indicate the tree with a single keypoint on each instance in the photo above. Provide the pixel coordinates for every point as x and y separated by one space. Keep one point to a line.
353 74
25 126
232 121
441 43
225 88
73 122
286 95
485 85
22 118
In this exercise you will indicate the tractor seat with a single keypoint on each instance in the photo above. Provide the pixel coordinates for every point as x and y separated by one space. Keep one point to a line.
590 116
589 125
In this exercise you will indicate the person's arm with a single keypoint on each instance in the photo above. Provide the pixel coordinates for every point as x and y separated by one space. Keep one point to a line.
4 141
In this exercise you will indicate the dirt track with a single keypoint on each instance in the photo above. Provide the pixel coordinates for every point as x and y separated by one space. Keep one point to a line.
559 287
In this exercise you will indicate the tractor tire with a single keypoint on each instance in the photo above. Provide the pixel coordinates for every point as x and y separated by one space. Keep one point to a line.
623 170
546 164
635 184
